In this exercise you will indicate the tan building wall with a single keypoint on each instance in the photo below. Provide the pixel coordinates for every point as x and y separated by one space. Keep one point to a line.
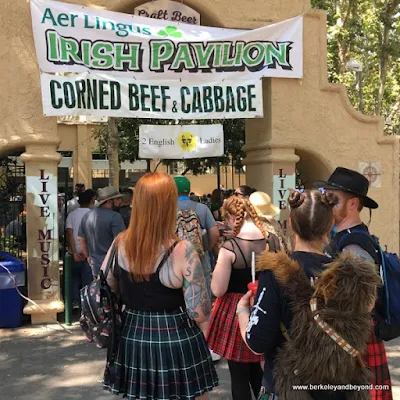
306 121
205 184
81 141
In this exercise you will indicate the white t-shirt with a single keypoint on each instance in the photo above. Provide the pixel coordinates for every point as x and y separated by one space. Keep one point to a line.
74 221
72 205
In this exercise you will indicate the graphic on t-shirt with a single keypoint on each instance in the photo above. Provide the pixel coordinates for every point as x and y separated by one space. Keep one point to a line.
254 319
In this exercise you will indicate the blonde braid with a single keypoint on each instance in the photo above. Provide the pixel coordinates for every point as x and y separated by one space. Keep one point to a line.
256 219
240 214
242 209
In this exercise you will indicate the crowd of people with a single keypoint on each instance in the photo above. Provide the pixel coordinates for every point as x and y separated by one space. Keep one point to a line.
186 306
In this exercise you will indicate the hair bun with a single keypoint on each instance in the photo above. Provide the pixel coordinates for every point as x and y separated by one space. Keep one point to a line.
296 199
329 199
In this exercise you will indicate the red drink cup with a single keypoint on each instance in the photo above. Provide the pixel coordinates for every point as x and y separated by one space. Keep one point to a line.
253 286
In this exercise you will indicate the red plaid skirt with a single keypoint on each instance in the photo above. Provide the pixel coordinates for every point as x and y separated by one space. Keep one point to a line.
224 334
375 358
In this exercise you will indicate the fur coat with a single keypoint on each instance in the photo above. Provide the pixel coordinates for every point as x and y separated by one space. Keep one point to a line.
344 292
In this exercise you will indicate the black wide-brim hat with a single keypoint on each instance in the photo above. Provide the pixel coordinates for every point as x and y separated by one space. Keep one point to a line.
348 181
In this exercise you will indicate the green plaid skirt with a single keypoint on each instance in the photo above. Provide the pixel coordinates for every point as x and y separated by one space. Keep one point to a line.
162 356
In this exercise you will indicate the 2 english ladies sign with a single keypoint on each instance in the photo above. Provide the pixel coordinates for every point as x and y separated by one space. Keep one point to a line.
131 66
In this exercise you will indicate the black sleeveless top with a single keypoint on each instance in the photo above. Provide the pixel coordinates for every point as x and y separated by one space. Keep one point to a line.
149 295
241 268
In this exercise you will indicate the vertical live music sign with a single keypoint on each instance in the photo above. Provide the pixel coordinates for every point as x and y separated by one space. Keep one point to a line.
284 180
42 191
195 63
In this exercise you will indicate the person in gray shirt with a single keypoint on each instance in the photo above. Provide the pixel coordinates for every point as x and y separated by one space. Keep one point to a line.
100 226
205 216
208 224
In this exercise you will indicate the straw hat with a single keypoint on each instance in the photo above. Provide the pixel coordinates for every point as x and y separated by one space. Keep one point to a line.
263 205
107 193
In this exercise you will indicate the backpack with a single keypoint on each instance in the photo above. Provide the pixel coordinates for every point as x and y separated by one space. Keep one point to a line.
324 343
101 319
188 228
389 327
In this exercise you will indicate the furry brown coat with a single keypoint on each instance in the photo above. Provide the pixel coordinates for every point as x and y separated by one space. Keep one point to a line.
344 292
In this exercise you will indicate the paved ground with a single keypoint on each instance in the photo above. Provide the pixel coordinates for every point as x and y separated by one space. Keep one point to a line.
46 363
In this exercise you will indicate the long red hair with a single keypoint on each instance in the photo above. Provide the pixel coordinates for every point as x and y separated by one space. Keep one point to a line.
152 225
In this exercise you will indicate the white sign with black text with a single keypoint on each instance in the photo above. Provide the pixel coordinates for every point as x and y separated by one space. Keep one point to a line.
104 95
167 10
174 142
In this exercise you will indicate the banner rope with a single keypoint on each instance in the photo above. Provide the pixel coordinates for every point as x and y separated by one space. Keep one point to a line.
30 300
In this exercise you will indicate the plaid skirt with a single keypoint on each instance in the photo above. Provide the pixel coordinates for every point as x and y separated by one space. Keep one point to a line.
224 336
375 359
162 356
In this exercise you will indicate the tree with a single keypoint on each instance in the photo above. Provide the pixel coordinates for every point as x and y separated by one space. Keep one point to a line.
387 49
128 131
368 31
113 151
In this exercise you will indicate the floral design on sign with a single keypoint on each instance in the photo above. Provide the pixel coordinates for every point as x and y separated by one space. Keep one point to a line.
170 31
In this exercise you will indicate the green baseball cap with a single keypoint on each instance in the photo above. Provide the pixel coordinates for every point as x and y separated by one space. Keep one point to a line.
183 184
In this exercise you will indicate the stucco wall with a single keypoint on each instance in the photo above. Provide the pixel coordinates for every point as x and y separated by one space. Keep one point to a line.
70 140
21 109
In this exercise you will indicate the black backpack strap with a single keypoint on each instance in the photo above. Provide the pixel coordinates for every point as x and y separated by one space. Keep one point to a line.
365 234
166 256
274 243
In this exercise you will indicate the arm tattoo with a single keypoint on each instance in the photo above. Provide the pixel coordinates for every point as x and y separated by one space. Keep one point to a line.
195 289
358 252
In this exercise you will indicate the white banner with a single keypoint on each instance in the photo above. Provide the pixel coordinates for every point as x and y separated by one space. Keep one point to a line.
102 95
174 142
72 38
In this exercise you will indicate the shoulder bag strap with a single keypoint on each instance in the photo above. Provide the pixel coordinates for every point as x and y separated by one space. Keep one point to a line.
361 232
110 262
284 331
274 241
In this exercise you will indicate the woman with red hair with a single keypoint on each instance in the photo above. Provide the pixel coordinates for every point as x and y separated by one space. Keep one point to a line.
162 351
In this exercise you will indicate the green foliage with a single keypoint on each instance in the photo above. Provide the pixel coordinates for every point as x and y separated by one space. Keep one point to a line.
10 245
300 184
356 31
128 128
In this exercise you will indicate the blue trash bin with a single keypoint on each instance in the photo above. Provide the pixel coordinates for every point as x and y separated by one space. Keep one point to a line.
11 303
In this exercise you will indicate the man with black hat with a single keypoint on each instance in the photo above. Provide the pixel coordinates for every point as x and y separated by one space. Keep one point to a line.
100 226
351 188
81 273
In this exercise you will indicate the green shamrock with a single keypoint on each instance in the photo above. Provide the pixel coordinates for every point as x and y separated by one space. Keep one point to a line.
170 31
